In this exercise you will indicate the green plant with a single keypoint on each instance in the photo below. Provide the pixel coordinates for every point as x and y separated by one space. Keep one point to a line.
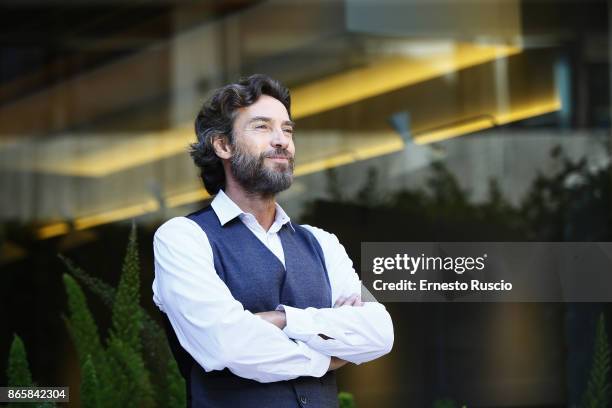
446 403
19 375
89 385
346 400
133 366
165 376
597 394
18 371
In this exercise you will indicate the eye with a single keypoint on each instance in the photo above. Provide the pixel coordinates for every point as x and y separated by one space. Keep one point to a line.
288 130
262 126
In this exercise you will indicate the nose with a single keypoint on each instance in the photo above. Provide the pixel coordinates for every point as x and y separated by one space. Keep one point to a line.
280 139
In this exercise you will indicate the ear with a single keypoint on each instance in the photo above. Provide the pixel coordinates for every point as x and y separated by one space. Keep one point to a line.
222 146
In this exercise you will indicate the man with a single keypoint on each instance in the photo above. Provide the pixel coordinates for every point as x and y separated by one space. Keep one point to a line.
259 311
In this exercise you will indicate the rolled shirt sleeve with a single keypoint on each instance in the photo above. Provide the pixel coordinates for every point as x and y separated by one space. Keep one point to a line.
355 334
210 324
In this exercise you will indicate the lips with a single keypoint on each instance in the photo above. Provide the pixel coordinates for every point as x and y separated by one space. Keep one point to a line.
278 156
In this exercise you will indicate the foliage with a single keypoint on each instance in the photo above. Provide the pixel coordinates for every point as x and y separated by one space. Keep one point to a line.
597 394
18 371
334 188
80 322
89 385
103 290
444 403
165 376
134 366
572 203
175 385
127 320
19 375
346 400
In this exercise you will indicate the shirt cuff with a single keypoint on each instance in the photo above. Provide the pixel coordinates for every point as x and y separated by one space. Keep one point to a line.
299 323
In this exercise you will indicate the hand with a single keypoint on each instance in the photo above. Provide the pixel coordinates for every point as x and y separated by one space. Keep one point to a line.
276 317
353 300
335 363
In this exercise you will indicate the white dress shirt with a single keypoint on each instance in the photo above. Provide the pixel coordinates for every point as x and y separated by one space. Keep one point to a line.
215 329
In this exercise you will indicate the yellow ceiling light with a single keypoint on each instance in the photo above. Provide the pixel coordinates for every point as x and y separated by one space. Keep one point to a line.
118 155
116 215
382 147
388 74
452 131
389 144
521 112
189 197
53 230
98 155
120 214
529 110
101 218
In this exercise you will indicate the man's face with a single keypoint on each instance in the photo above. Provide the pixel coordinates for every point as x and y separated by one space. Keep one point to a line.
263 149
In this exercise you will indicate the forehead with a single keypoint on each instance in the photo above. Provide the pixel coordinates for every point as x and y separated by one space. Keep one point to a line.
265 106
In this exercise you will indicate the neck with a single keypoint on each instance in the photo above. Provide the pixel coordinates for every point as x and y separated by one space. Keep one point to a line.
262 207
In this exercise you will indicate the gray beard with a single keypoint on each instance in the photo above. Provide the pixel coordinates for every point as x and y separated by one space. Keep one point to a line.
252 174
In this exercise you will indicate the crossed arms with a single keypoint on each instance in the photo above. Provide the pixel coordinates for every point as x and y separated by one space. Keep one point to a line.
279 319
274 346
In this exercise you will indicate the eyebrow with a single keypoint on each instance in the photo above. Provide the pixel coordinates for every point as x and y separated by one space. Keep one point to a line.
266 119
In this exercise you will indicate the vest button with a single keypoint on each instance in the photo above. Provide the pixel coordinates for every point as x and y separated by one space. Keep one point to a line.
304 399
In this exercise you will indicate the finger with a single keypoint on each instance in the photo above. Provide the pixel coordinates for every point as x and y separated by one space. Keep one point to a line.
262 315
358 302
340 301
352 299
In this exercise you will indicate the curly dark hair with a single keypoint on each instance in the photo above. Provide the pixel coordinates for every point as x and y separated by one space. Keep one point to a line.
216 118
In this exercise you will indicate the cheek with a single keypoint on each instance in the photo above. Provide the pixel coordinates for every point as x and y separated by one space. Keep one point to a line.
260 142
252 146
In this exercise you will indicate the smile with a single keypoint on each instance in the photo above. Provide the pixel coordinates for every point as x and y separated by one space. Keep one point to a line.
279 159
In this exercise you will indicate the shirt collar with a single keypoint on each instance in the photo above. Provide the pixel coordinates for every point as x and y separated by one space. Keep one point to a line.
227 210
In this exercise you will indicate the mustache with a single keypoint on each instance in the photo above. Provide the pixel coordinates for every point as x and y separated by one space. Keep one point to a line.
279 153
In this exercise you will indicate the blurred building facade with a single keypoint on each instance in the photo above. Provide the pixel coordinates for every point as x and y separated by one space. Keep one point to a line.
416 120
